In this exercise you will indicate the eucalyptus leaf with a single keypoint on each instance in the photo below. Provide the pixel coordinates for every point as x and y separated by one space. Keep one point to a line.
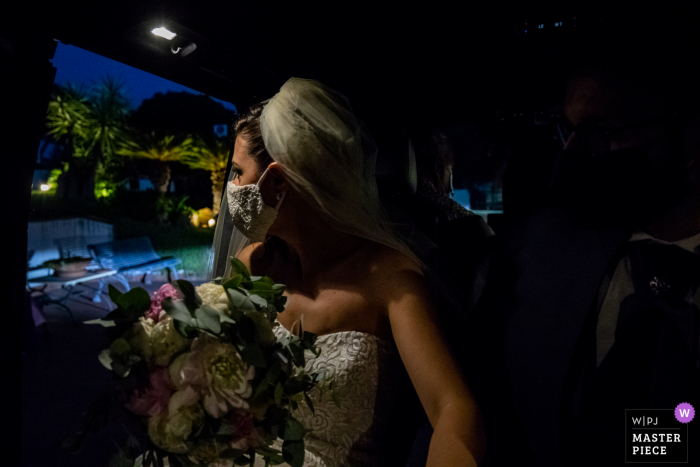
253 355
266 280
107 324
225 319
309 403
105 359
258 300
184 328
119 348
262 388
233 282
114 293
263 327
186 288
273 455
226 429
240 268
278 393
297 353
293 453
293 429
241 302
120 368
177 309
135 302
308 339
207 317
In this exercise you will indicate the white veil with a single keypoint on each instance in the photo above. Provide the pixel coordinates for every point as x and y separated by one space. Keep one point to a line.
329 158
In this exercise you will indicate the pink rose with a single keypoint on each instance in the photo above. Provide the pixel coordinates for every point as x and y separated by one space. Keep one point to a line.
166 290
152 400
242 422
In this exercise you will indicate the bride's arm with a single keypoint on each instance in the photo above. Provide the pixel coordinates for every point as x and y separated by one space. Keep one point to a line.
458 430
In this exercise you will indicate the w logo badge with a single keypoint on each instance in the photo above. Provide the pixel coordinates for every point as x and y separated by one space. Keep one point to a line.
684 412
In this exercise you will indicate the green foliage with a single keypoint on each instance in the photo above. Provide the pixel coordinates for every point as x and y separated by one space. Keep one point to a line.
150 146
90 123
104 189
207 154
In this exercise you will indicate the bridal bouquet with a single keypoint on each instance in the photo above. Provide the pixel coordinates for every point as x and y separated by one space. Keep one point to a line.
206 374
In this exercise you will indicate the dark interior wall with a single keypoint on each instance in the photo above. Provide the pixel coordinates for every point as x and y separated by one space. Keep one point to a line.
26 77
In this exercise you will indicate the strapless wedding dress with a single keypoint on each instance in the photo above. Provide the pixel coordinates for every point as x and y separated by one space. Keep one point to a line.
365 369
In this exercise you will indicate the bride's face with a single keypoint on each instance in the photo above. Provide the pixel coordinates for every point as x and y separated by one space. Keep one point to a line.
248 172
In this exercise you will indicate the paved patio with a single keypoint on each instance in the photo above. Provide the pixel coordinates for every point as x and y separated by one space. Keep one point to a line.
61 375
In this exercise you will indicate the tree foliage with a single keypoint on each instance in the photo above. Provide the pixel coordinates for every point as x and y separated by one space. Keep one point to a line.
150 146
162 150
210 155
88 125
174 113
92 122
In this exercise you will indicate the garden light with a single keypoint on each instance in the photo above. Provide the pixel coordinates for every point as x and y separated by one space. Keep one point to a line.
212 222
162 32
45 187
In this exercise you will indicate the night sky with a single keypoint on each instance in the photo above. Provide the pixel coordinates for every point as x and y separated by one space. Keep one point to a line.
86 68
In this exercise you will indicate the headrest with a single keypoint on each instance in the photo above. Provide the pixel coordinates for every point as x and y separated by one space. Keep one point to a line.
396 163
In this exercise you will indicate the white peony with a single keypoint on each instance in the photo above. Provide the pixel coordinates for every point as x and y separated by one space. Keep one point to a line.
214 296
166 342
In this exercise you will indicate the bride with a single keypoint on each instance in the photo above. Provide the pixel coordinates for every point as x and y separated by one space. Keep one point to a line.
303 209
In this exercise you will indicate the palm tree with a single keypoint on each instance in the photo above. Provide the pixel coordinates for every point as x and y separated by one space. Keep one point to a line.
210 155
162 150
110 110
69 118
89 126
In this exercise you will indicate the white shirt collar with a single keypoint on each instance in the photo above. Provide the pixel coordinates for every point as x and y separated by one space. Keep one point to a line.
691 244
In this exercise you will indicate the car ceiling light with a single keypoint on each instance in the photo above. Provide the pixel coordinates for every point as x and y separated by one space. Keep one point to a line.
162 32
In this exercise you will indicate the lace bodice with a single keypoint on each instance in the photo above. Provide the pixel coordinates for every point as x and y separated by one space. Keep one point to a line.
364 368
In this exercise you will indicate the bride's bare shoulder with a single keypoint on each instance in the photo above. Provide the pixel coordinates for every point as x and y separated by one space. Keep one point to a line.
251 254
386 260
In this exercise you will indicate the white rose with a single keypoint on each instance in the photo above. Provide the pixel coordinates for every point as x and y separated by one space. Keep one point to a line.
214 296
166 342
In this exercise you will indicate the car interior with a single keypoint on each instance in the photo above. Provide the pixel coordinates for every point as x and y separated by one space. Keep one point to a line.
491 75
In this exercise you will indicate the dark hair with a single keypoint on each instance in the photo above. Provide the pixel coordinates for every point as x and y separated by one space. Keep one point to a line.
433 155
247 126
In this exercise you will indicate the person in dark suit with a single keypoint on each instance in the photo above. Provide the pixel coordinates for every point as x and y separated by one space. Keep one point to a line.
591 306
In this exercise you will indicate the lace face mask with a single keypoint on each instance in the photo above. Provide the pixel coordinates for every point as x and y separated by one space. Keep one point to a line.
249 212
